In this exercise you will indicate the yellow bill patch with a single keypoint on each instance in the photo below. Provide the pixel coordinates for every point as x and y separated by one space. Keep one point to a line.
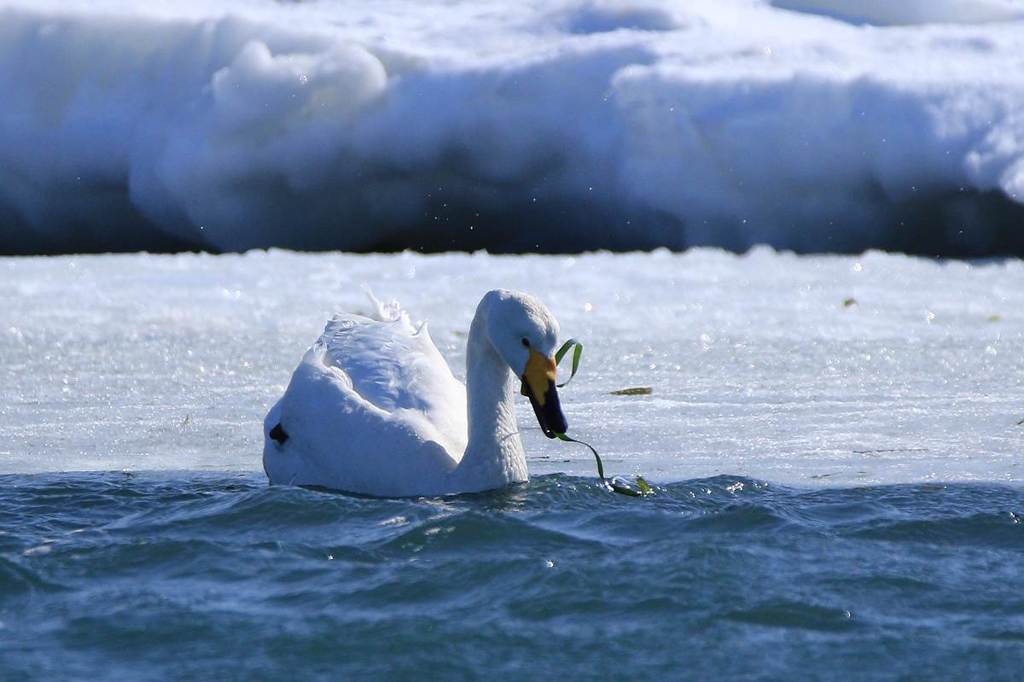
540 373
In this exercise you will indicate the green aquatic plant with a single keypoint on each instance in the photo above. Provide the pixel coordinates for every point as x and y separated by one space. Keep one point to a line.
576 355
642 488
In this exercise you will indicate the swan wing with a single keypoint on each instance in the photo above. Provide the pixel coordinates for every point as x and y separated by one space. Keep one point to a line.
373 407
396 367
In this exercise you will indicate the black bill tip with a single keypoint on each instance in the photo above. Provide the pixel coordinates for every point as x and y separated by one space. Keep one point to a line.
549 415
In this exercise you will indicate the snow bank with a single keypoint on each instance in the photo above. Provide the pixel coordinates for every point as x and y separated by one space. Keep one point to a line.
562 126
889 13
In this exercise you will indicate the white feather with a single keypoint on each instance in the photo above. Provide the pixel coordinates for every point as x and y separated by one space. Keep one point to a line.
374 408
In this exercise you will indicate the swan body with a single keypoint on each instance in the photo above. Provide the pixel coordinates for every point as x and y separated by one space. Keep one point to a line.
374 409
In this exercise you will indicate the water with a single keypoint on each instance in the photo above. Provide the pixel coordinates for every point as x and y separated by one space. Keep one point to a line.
886 542
184 575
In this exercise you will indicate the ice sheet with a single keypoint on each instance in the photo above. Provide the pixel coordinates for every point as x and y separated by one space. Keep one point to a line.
808 370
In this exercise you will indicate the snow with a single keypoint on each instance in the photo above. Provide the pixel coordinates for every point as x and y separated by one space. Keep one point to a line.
885 13
817 125
807 370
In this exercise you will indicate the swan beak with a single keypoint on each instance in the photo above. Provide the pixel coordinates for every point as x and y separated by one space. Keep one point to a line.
539 387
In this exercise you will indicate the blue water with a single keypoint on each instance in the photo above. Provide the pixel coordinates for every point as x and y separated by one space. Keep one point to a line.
156 576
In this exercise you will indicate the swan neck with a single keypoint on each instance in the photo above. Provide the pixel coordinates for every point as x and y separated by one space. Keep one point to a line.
494 455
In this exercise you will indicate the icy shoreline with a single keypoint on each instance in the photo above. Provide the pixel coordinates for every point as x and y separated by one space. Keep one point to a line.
803 370
558 126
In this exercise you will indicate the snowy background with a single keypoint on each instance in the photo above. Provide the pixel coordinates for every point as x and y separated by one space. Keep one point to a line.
815 125
812 125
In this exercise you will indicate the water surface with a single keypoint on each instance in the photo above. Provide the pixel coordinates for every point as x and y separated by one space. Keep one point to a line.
171 574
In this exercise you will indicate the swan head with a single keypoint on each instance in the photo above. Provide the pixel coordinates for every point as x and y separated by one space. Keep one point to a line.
525 334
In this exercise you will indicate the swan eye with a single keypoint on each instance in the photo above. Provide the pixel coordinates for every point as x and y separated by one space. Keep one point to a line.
526 342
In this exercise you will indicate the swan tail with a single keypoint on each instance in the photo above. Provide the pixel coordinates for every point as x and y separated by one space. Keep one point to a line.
383 312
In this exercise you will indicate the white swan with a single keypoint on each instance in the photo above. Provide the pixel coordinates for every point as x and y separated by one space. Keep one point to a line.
373 407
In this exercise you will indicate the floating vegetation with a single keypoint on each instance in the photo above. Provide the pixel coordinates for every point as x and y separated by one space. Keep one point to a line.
636 390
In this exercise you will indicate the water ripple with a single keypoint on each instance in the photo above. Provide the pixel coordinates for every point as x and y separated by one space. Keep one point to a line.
111 576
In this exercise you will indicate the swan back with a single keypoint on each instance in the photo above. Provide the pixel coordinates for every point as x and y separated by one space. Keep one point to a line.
396 367
373 407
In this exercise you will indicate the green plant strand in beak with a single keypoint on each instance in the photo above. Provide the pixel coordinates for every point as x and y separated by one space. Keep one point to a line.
576 355
643 488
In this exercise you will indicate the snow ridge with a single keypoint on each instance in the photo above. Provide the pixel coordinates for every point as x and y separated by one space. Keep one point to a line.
558 126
